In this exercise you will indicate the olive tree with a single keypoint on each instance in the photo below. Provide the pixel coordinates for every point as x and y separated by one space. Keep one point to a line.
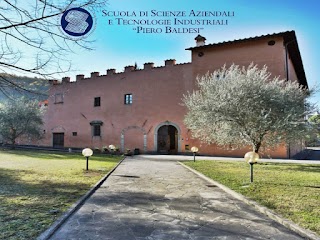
314 136
20 118
238 107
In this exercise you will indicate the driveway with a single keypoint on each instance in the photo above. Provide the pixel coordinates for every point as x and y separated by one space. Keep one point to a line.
159 199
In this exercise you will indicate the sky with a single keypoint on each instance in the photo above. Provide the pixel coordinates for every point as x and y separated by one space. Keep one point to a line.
116 45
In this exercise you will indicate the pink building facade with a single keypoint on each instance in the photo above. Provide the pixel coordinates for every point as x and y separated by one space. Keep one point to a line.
141 108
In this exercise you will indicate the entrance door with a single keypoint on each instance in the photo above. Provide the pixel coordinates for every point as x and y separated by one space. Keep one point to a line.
58 140
168 139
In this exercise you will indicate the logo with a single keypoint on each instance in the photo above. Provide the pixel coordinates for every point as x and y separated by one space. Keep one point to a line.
77 22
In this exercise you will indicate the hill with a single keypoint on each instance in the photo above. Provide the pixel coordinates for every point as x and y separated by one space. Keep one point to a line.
35 88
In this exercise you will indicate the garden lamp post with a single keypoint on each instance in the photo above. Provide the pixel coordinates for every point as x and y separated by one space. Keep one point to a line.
251 158
87 152
194 150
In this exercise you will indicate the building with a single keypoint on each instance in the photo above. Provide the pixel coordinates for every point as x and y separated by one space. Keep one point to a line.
141 108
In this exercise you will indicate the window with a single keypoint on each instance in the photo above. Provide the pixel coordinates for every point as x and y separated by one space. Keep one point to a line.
200 54
128 99
96 130
74 133
97 102
271 42
58 98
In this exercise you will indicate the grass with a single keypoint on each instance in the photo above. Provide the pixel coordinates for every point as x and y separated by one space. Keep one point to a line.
293 190
37 187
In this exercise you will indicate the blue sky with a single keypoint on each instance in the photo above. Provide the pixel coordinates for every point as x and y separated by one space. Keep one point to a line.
117 46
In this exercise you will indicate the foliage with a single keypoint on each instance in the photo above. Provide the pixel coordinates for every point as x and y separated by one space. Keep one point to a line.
314 135
293 190
105 149
240 106
20 118
315 119
38 187
97 150
31 40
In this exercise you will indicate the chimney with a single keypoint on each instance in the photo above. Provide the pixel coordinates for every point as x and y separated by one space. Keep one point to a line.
79 77
128 68
111 71
170 62
148 65
94 74
201 41
65 79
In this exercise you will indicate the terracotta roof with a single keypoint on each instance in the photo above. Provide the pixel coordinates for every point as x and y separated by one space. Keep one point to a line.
290 42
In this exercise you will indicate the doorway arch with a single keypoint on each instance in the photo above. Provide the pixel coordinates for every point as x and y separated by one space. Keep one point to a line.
167 138
140 129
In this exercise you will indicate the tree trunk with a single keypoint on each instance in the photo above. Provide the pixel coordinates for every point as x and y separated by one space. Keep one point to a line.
13 144
257 147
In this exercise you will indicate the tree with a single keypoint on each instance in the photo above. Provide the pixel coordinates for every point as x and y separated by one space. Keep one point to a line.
315 119
20 118
31 41
314 135
240 107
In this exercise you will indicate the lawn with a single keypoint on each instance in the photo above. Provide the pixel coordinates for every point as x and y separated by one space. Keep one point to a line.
37 187
291 190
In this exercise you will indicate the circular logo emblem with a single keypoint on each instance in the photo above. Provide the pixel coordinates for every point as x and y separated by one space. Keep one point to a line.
76 22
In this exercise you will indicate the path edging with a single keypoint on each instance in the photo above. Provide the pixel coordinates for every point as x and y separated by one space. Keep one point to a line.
62 219
285 222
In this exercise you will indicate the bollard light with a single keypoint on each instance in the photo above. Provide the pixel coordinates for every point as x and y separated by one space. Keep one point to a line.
87 152
251 158
112 147
194 150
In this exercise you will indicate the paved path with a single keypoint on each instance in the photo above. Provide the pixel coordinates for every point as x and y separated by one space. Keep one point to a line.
208 158
158 199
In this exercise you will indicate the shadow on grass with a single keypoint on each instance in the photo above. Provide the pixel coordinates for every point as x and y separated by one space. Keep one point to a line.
28 208
47 155
293 167
289 184
13 185
308 168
